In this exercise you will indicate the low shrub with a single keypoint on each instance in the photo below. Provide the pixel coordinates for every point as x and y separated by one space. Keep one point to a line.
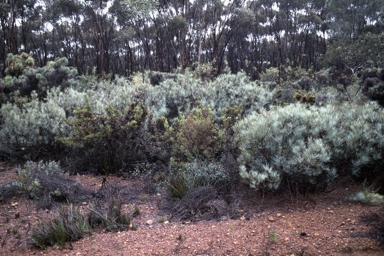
367 196
47 183
188 176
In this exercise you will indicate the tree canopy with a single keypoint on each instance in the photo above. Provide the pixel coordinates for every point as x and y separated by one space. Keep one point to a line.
126 36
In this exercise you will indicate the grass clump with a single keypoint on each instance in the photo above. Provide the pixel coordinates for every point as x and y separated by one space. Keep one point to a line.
106 211
69 226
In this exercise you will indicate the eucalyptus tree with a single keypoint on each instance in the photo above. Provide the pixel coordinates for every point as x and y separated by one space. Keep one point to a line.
348 18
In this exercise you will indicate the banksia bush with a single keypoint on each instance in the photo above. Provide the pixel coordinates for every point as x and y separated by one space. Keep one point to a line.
23 78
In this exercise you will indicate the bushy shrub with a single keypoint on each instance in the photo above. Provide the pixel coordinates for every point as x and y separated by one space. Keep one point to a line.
16 64
69 226
106 143
195 136
299 145
29 129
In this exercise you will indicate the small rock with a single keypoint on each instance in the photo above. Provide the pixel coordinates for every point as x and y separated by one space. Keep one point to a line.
278 215
84 203
271 219
149 222
166 222
353 222
242 218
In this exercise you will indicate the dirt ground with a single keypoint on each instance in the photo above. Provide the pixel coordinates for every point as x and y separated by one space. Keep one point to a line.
326 223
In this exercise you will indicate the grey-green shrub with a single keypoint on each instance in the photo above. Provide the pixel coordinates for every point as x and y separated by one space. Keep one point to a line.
367 196
181 95
208 173
31 127
301 144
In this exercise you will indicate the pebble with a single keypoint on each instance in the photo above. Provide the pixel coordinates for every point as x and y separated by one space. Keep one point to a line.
149 222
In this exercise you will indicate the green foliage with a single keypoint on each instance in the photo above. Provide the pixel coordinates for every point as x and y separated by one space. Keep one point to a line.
361 53
299 145
107 142
195 136
270 75
173 97
272 235
69 226
179 182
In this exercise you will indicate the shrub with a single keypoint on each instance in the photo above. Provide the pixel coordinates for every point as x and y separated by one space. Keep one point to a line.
23 77
195 136
188 176
107 142
298 144
368 197
270 75
172 98
29 129
373 87
47 183
69 226
232 90
16 64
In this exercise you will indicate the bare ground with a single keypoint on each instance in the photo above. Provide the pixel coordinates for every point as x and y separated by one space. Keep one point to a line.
327 223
